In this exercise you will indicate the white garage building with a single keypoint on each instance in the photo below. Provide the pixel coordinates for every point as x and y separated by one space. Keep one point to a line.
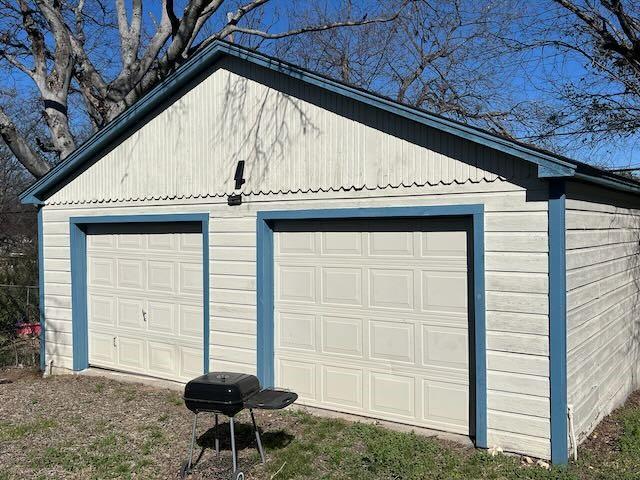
248 215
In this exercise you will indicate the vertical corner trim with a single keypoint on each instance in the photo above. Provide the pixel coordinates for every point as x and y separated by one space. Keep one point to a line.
480 331
41 290
558 321
79 329
265 302
206 292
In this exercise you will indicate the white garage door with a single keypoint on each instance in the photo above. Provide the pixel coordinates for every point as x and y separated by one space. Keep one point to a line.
144 304
371 318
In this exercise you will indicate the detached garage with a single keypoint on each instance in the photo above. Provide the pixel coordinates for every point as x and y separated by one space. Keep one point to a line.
248 215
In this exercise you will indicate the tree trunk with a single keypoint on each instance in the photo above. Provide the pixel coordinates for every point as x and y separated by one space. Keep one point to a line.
56 116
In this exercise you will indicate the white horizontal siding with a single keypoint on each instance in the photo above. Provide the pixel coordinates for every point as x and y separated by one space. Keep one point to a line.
516 301
292 138
603 278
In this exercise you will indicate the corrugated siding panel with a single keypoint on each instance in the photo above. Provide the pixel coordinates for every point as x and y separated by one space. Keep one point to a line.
603 278
517 316
294 140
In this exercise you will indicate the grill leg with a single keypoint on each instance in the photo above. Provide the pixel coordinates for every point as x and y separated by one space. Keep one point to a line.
258 441
215 432
233 445
193 440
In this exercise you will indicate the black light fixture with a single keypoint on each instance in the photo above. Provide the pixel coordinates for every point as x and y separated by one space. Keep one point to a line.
236 198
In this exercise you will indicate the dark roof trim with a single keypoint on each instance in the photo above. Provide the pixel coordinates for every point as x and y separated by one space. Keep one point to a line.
549 164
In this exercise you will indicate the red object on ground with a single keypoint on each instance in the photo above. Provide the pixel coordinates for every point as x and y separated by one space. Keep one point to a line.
27 329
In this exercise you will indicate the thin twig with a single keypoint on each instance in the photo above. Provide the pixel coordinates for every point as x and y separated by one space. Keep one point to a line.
279 470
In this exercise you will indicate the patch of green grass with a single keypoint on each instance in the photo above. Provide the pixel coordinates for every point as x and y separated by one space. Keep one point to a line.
334 449
154 437
9 431
174 399
110 456
99 387
127 392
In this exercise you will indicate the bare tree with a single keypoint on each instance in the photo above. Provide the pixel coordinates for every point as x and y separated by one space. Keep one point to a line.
585 57
439 55
64 48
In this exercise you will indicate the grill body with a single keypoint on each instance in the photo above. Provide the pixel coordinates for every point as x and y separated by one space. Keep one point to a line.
221 392
228 393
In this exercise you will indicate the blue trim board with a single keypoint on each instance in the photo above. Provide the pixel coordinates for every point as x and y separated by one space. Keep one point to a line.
549 164
265 285
558 322
41 290
78 227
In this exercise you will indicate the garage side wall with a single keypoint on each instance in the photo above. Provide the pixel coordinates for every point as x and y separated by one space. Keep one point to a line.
516 282
603 326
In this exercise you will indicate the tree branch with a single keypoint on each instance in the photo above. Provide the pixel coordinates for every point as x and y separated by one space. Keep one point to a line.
33 162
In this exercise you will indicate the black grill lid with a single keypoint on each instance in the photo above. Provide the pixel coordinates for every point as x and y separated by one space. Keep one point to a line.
221 391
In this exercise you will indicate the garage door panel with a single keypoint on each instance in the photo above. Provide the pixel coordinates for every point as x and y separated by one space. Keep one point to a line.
161 317
452 244
444 291
391 244
342 286
130 313
390 288
161 276
102 310
162 357
131 241
391 341
101 241
131 353
102 348
372 318
131 274
191 361
165 243
446 404
191 321
298 376
444 347
191 278
298 243
342 335
341 243
342 386
296 330
297 284
102 272
153 323
189 243
392 394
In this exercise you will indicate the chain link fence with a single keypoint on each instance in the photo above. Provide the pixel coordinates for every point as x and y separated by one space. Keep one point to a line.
19 325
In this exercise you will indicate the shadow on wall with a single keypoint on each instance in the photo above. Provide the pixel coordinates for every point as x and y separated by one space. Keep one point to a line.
266 128
272 121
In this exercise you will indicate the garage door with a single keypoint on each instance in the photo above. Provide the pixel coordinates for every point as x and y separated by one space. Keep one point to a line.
144 303
371 318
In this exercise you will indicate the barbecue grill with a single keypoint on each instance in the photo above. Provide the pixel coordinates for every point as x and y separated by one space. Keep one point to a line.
227 393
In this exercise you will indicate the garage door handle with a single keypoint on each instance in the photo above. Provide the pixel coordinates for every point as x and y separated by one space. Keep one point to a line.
114 342
144 315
